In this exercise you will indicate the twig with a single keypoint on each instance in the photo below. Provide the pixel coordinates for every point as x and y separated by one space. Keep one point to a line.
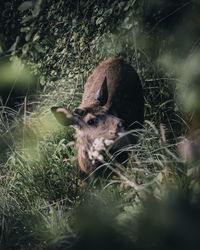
163 78
130 183
173 12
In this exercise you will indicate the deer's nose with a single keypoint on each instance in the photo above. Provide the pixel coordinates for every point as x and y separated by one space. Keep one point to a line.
120 125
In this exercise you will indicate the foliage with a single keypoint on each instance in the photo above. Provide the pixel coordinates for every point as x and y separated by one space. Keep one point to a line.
50 48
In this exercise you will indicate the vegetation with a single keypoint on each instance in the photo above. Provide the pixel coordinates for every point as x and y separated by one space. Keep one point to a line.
47 51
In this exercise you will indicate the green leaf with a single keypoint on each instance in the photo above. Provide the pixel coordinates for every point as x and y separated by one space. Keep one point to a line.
39 48
99 20
14 46
37 8
28 36
121 4
42 81
25 48
26 19
36 37
25 5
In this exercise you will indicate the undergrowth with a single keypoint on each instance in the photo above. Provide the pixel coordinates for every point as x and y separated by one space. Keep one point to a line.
149 201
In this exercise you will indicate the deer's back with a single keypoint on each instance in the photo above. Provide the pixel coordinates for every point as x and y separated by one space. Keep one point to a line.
125 97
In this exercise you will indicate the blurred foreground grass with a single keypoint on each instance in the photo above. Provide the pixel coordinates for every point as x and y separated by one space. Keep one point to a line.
149 202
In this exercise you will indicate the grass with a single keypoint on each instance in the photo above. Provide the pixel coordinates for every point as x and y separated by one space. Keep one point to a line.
149 201
45 205
44 202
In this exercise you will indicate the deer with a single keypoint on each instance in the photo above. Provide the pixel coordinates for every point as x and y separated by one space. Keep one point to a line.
112 104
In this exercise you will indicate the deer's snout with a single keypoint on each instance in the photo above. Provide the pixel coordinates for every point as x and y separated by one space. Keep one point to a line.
120 125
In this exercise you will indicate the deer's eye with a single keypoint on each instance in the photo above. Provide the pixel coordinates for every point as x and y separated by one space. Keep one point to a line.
92 121
79 111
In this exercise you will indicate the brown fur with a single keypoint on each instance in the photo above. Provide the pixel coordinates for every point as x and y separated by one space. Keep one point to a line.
101 113
125 98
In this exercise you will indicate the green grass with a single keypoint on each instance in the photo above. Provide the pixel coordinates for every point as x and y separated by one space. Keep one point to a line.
46 205
149 201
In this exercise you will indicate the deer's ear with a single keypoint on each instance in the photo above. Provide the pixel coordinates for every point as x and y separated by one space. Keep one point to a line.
102 94
63 116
